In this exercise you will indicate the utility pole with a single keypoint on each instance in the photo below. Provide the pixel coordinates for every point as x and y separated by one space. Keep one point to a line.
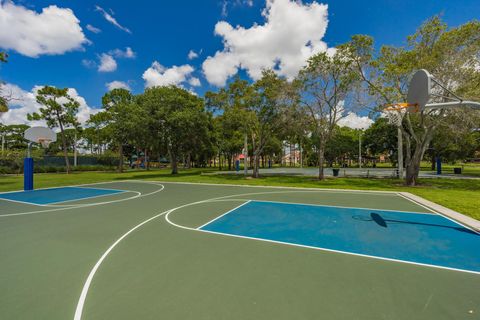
75 150
3 143
360 149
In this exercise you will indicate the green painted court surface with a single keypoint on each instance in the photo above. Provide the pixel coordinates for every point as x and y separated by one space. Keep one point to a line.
118 257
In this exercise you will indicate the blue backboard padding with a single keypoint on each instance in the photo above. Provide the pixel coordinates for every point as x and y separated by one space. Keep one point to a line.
54 195
413 237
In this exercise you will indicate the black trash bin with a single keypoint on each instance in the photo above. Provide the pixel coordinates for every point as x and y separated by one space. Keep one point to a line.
457 170
335 172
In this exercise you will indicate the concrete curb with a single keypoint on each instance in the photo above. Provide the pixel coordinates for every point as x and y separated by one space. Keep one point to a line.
448 213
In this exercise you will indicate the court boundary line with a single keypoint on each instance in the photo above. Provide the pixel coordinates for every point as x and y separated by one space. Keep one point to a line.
452 215
224 214
381 192
102 195
57 203
88 184
167 218
138 195
91 275
332 206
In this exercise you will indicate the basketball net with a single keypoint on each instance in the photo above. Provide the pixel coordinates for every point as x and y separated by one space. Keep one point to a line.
396 112
44 142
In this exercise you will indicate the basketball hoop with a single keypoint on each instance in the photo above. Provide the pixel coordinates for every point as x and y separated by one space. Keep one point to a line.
395 112
44 142
42 135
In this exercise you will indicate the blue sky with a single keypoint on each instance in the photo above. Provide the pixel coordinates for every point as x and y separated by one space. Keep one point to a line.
160 35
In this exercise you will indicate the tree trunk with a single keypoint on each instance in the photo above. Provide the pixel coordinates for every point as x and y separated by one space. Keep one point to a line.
189 161
173 162
321 161
229 159
413 162
64 144
120 155
256 164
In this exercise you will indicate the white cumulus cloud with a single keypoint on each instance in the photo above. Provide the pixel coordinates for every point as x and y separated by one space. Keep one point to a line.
117 85
195 82
107 63
192 55
53 31
24 102
92 28
158 75
119 53
354 121
111 19
292 32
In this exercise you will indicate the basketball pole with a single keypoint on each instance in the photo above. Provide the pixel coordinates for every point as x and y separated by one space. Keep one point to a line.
28 170
400 152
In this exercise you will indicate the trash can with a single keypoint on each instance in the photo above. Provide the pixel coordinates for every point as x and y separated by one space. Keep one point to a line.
457 170
335 172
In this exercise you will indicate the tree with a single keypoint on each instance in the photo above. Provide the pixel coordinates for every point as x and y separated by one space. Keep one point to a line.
343 146
234 102
381 138
176 118
326 81
59 110
272 95
450 55
3 100
12 136
117 118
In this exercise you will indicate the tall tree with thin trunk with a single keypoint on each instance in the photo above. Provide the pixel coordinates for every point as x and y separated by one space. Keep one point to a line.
117 118
326 82
59 111
272 98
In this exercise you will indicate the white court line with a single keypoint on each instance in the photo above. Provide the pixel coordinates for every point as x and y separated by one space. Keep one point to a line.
92 197
167 218
326 190
203 225
331 206
73 185
446 216
333 250
86 286
138 195
59 203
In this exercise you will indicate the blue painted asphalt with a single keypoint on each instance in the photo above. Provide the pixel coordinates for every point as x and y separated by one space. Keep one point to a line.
414 237
54 195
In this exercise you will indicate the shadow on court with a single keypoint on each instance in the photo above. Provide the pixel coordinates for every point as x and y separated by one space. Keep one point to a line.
380 221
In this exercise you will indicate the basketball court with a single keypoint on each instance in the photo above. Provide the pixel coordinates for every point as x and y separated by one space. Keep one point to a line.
151 250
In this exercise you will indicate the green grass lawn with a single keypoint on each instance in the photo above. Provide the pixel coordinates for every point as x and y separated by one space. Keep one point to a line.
460 195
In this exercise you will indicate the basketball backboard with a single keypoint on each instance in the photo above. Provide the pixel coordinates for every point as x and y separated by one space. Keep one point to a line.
419 88
42 135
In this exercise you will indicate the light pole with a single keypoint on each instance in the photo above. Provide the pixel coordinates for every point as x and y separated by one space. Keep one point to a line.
360 148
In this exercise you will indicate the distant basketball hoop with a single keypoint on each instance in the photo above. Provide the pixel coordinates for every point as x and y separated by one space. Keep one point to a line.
43 136
423 88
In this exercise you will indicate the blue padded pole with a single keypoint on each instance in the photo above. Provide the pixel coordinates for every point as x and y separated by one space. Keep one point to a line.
28 174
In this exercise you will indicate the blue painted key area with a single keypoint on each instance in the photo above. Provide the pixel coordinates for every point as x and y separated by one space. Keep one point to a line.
414 237
54 195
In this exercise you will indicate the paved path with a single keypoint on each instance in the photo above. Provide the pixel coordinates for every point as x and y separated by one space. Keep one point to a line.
348 172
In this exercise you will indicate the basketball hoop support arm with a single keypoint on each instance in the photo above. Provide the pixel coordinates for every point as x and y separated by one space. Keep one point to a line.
452 104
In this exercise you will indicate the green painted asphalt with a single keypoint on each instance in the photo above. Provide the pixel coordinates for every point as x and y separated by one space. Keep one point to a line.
162 272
